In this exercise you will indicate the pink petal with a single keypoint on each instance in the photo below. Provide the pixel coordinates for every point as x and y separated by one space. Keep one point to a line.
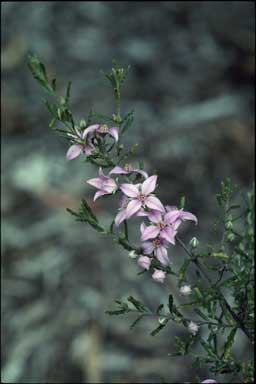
143 173
114 132
162 255
132 208
74 151
129 190
87 150
188 216
142 227
149 185
120 217
150 232
144 262
142 212
89 129
147 247
118 171
153 202
159 275
155 216
172 216
99 194
168 234
109 185
97 182
176 224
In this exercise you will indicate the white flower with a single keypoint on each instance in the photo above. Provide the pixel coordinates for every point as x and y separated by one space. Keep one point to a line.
185 290
193 328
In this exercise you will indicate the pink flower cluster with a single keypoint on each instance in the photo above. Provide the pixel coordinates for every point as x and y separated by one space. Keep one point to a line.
137 200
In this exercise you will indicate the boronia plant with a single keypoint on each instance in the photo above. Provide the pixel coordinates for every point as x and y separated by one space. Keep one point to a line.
221 298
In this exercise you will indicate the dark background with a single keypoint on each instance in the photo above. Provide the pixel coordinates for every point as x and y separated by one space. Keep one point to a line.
191 84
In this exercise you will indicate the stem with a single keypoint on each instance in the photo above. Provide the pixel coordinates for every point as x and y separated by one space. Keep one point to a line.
200 268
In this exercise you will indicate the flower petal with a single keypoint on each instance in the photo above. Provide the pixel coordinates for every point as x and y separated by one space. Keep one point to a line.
142 227
97 182
87 149
118 171
74 151
150 232
129 190
159 275
162 255
90 129
113 132
153 202
168 234
120 217
143 173
188 216
155 216
99 194
147 247
172 216
132 208
149 185
144 262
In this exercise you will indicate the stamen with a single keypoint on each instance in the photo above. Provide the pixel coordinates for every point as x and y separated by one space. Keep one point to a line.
141 197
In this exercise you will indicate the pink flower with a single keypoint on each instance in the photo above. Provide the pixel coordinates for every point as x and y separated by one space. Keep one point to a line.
104 184
140 195
121 216
102 130
158 248
160 227
176 216
85 146
126 170
144 262
209 381
159 275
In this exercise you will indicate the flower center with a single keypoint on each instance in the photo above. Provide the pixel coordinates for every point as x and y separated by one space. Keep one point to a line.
128 167
141 197
156 243
161 225
103 128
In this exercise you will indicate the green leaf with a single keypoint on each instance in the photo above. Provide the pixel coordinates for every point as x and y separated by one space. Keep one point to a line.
39 72
67 98
137 304
170 303
158 329
159 309
182 202
136 321
228 344
183 268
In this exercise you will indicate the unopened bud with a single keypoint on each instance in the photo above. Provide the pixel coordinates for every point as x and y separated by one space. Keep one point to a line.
82 123
62 100
231 237
162 320
133 255
185 290
194 242
229 225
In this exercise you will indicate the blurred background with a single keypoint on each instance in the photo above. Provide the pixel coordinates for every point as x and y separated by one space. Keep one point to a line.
191 84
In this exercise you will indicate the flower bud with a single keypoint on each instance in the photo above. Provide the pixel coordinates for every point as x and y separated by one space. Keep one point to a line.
193 328
133 255
231 237
82 123
162 320
209 381
159 275
229 225
185 290
194 242
144 262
